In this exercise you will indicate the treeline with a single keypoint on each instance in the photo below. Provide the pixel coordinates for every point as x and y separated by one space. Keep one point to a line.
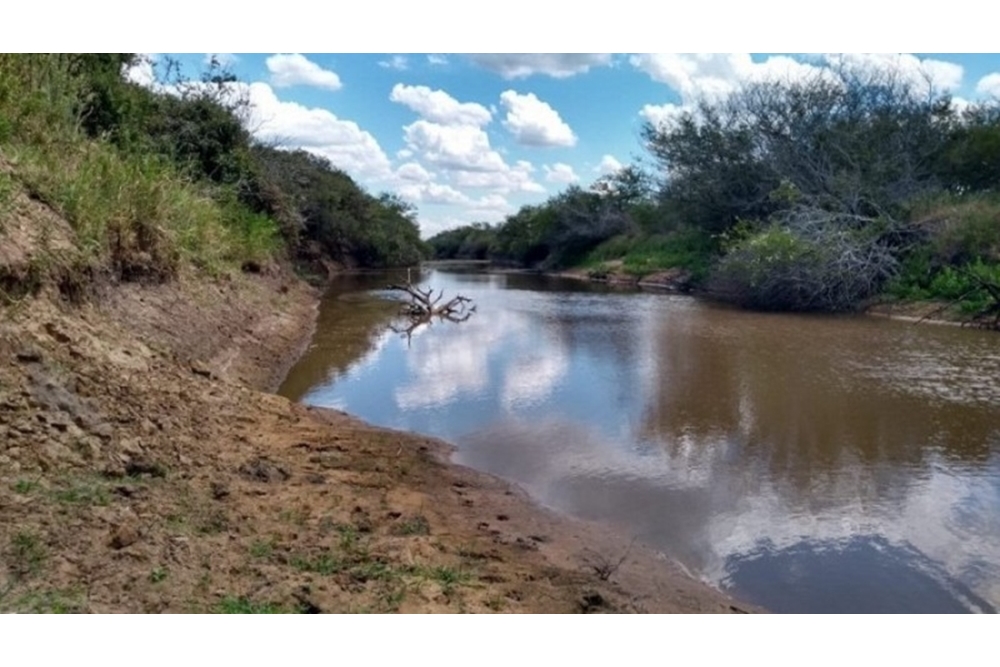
816 194
154 179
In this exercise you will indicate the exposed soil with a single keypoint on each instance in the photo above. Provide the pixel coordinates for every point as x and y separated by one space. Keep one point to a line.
143 469
929 312
611 272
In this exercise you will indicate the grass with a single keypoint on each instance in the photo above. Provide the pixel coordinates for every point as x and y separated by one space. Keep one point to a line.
417 525
641 255
213 523
495 603
919 281
157 575
348 537
262 550
962 228
25 486
134 213
324 564
84 492
27 554
138 215
49 602
243 605
8 188
961 250
448 576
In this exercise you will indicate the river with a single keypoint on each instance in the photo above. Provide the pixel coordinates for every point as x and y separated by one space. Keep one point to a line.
802 463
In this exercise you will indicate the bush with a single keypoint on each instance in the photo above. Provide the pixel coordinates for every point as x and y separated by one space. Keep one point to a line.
960 228
829 266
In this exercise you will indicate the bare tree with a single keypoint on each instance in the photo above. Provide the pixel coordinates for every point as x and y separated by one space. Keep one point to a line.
423 307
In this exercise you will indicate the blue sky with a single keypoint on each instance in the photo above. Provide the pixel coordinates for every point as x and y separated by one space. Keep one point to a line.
473 137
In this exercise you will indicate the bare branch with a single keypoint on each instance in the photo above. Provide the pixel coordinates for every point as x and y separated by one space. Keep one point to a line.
423 307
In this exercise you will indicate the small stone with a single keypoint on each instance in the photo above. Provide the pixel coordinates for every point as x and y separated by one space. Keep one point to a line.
132 446
123 536
57 332
199 368
29 355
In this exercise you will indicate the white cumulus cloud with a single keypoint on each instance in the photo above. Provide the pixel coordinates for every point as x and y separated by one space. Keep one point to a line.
715 75
510 179
292 125
659 114
556 65
560 173
413 172
922 74
439 107
143 72
533 122
458 147
432 193
464 154
294 69
712 76
608 165
398 63
989 85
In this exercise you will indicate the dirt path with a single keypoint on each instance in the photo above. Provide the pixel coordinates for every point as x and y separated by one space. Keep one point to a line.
141 471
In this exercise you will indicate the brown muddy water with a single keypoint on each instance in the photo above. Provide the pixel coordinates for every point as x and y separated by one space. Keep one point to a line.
806 464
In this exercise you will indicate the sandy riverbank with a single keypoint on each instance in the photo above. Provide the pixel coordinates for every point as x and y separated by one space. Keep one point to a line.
144 468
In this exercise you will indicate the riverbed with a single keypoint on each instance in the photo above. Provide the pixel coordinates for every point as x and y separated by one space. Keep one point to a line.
802 463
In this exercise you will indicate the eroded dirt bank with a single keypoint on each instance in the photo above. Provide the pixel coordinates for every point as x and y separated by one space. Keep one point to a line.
142 469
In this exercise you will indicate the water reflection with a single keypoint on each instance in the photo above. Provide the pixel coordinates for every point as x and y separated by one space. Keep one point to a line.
859 452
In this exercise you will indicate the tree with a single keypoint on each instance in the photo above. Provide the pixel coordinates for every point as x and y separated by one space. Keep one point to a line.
859 141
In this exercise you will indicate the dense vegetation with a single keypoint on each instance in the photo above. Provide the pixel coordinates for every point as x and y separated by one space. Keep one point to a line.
153 180
808 195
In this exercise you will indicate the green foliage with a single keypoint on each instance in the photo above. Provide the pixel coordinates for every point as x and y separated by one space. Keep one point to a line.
829 267
325 212
833 169
153 180
690 249
965 285
865 144
959 253
475 241
960 228
561 231
971 160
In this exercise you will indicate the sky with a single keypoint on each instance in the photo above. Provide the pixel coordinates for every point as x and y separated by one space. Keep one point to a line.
472 137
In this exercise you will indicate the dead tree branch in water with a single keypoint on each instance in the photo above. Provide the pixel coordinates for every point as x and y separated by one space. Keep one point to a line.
424 307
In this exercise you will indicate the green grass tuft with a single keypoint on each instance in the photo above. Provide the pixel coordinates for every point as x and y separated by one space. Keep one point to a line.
243 605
